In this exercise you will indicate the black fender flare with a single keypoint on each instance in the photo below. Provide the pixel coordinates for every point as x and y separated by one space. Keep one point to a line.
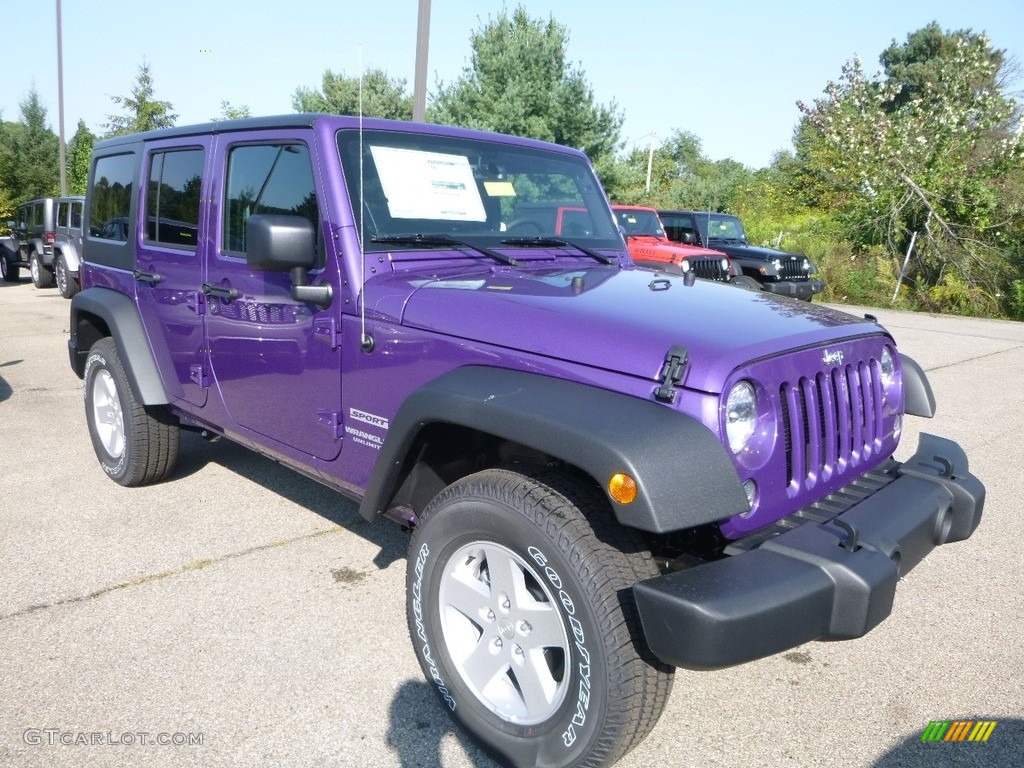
119 313
919 400
683 474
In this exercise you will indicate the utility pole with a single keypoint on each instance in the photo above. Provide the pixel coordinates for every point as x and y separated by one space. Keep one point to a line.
60 108
650 161
419 89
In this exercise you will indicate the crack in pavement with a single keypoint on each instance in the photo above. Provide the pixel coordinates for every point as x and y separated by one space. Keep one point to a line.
196 565
972 359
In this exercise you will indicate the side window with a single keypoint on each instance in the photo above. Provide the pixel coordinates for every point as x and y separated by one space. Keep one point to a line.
76 215
111 197
266 178
172 197
62 214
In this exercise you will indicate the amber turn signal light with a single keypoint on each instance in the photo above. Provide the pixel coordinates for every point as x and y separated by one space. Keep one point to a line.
622 488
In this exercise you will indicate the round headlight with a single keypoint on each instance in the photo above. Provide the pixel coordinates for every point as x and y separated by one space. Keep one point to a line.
740 415
725 264
807 265
777 264
888 367
684 266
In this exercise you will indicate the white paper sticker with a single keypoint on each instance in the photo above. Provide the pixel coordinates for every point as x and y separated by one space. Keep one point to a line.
428 185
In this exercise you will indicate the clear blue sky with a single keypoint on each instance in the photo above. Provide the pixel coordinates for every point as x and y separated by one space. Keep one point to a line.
729 71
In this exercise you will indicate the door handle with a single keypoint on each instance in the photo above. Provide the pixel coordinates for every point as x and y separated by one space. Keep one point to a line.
147 277
228 294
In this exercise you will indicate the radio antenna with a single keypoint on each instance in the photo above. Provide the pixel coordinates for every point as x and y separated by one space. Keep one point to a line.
365 342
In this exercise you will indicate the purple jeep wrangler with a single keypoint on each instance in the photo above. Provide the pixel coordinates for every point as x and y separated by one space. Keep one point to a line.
607 474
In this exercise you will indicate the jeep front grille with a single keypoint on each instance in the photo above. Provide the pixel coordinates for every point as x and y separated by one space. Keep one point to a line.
832 423
708 269
793 269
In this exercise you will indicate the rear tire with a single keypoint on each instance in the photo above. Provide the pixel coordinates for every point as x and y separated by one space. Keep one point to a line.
521 611
66 283
135 444
41 276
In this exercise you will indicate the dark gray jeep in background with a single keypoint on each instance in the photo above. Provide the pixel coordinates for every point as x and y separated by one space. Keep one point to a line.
767 269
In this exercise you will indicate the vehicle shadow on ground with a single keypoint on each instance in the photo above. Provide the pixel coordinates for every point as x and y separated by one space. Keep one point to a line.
5 389
196 453
1004 746
418 726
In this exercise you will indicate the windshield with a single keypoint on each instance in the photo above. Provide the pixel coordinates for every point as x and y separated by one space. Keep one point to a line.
725 228
478 191
639 222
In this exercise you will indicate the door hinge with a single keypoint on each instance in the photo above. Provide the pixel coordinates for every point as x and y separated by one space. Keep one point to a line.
198 375
325 330
196 301
331 421
673 371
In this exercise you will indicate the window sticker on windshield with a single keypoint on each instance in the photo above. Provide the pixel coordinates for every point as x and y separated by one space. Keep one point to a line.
499 189
428 185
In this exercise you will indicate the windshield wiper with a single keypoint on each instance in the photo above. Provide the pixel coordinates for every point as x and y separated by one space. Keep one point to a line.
436 241
549 242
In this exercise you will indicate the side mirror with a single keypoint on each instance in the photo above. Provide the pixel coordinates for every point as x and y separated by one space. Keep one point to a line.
689 238
11 223
277 243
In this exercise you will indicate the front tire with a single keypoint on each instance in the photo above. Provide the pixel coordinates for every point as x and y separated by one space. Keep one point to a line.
135 444
521 612
41 276
746 282
11 272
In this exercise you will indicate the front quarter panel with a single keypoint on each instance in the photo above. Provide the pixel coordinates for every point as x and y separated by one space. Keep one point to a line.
683 474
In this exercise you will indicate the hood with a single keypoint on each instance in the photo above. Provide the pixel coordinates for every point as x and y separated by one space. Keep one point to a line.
622 320
755 251
639 244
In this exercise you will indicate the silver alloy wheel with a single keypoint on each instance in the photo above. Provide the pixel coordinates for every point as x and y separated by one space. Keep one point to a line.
505 635
106 413
61 274
33 265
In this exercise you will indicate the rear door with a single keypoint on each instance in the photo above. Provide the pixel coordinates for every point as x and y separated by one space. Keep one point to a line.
276 362
170 262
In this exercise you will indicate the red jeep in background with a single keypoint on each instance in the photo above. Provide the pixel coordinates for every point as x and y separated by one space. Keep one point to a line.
650 247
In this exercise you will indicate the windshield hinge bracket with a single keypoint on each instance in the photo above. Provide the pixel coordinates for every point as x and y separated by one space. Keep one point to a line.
673 371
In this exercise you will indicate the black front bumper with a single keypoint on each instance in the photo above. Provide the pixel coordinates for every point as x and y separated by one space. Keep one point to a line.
826 576
798 289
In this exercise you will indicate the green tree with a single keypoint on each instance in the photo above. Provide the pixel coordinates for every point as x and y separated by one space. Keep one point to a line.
31 170
926 147
382 96
230 112
520 82
142 111
78 157
681 176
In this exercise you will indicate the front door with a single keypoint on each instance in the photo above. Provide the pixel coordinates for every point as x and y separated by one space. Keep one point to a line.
275 361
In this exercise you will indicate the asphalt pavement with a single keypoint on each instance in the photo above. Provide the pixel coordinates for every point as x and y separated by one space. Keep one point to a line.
242 615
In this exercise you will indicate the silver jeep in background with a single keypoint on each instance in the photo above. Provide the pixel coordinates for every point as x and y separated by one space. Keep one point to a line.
46 237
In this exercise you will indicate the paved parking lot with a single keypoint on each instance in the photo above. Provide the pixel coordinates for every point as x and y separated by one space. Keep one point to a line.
247 608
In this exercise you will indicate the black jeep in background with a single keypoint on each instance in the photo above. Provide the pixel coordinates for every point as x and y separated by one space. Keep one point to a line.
767 269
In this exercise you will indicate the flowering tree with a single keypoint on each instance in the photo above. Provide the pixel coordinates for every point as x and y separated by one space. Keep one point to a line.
926 149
